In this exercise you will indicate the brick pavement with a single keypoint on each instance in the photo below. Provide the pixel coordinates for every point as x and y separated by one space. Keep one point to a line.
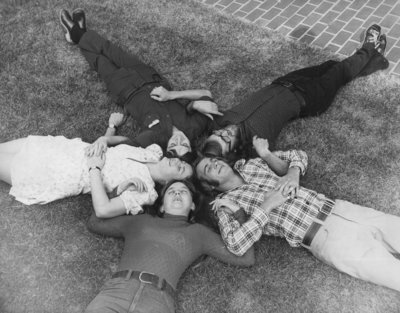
337 25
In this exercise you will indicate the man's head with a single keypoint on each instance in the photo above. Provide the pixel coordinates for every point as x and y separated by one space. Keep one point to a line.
214 173
221 141
178 198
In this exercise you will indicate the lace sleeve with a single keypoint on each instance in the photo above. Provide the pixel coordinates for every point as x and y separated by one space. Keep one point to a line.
133 200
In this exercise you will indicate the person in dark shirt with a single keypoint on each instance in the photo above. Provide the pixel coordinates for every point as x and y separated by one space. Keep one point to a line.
305 92
140 90
157 250
165 115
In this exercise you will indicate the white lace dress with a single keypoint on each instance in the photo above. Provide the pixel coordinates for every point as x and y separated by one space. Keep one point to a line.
51 168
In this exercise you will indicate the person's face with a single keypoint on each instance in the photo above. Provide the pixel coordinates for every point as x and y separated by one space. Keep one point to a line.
179 144
212 169
173 168
226 137
177 200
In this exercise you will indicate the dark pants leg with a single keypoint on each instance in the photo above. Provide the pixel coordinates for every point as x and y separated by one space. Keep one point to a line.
122 72
320 90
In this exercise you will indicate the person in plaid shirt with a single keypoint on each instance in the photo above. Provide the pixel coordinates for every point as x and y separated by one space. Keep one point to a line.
356 240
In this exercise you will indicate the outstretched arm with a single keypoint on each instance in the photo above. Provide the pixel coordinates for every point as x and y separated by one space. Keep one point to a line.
215 247
113 227
162 94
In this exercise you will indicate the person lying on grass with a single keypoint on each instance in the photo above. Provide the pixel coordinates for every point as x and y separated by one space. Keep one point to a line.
139 89
305 92
354 239
41 169
158 249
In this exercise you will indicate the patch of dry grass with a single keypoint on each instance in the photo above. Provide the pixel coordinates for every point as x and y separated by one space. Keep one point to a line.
50 263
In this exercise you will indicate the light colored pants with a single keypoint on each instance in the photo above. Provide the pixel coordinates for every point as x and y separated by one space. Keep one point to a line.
119 295
359 241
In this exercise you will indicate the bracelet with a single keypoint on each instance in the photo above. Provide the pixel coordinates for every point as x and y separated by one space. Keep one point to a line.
94 167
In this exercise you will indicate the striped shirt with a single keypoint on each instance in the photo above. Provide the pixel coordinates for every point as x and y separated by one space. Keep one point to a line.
290 220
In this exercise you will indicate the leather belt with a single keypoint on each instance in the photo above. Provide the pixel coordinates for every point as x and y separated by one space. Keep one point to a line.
323 213
147 278
298 92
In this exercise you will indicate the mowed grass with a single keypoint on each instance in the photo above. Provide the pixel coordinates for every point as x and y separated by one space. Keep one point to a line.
50 263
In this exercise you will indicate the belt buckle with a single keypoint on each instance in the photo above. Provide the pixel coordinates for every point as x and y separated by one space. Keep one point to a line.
143 280
327 207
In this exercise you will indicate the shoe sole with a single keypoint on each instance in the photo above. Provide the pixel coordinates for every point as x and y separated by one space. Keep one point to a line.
67 35
77 10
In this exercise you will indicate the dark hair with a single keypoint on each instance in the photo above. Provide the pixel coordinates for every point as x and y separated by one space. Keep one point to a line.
242 149
212 148
205 185
159 202
188 157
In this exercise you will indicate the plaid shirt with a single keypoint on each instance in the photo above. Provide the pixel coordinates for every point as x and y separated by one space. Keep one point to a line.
290 220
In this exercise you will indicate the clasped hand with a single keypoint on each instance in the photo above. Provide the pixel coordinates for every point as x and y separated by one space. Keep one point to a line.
133 184
289 184
97 148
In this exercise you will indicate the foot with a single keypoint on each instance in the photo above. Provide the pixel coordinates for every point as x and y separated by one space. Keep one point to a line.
78 17
382 44
67 23
372 35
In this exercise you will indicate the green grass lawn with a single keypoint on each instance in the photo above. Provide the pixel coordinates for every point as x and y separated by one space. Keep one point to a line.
50 263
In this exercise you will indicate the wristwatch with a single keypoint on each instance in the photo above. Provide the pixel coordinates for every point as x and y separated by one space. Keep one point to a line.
112 126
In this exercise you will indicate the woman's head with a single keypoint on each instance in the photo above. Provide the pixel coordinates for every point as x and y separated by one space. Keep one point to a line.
178 144
173 169
178 197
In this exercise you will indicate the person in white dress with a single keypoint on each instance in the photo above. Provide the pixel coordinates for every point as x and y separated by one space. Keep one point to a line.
41 169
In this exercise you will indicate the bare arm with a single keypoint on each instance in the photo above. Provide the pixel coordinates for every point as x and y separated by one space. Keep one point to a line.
277 165
162 94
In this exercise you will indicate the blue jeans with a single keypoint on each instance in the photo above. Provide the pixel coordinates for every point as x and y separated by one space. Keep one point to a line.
121 295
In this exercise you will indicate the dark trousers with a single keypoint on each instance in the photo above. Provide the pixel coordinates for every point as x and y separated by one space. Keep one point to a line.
122 72
321 83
